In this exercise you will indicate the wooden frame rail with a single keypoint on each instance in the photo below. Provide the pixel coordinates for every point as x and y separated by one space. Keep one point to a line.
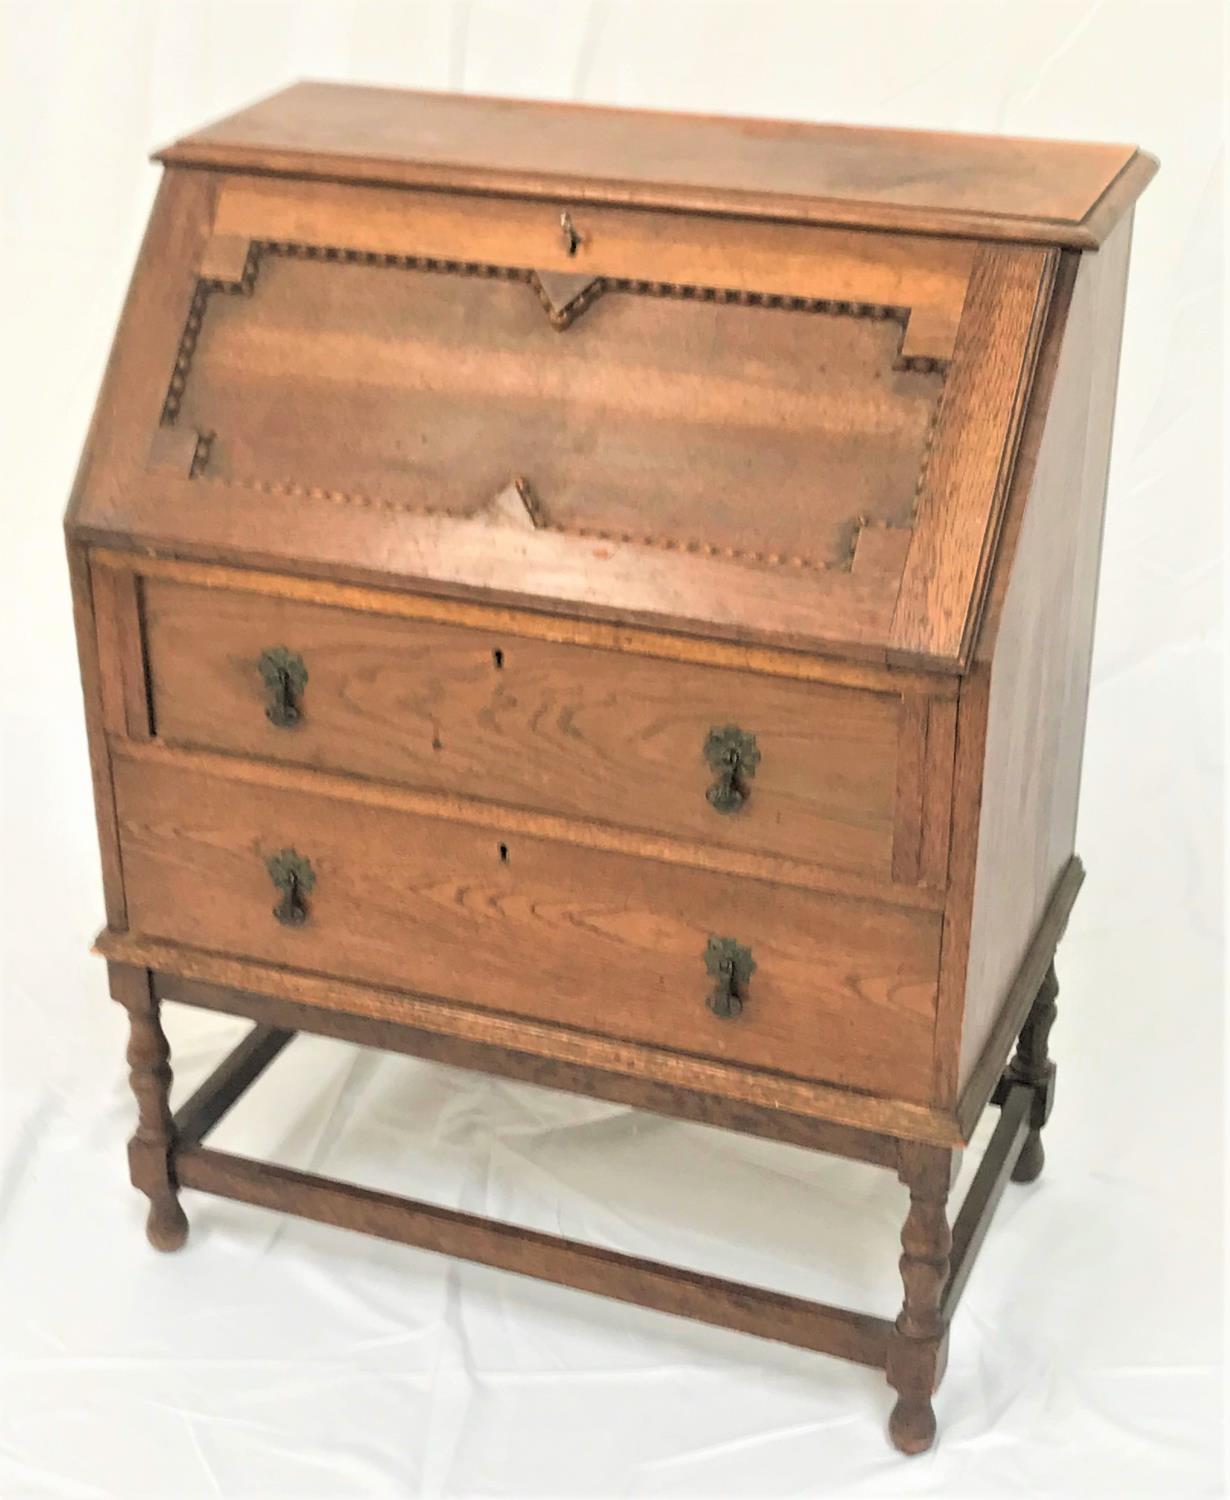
791 1320
859 1337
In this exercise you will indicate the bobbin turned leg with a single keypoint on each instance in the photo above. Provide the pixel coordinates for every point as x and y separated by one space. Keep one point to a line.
919 1348
151 1163
1031 1064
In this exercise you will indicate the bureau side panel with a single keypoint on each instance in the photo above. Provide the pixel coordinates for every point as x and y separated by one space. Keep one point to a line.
1022 711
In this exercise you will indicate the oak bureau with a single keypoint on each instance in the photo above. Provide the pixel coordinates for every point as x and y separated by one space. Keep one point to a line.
606 598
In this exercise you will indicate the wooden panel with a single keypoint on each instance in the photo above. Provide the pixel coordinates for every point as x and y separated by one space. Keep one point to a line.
938 770
673 417
563 729
1022 713
923 277
924 790
99 700
339 997
674 1100
151 329
966 476
622 584
988 1069
632 642
843 990
778 550
995 186
125 690
502 818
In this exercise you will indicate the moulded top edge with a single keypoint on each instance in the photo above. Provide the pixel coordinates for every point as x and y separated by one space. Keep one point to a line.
984 187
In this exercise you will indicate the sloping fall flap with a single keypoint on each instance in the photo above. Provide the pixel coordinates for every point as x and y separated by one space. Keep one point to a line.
794 435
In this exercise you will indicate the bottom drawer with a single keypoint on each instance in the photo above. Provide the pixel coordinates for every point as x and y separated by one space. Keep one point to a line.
843 991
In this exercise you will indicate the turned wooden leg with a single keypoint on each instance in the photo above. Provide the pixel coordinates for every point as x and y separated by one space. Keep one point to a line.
1031 1064
151 1162
919 1347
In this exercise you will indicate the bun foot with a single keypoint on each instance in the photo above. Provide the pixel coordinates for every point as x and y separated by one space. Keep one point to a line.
166 1228
912 1425
1029 1164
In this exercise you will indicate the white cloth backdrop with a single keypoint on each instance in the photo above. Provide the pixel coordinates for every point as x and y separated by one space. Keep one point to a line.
274 1359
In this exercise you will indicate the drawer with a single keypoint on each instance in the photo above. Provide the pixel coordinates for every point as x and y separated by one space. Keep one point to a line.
842 991
563 729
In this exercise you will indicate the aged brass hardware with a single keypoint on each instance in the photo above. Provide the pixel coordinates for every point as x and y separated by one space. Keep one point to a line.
294 877
734 755
285 679
569 234
732 966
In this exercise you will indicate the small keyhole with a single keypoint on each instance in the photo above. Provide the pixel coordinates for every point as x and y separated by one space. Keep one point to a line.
503 854
497 656
568 234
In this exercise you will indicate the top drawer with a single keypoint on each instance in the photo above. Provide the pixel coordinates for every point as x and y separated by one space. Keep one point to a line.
603 735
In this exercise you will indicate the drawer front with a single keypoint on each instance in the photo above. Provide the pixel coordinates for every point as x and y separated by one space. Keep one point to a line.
569 730
841 991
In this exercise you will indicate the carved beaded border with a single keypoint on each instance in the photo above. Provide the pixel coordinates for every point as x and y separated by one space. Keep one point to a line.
560 319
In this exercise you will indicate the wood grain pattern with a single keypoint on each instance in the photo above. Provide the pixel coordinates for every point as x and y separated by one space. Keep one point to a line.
911 788
971 716
769 1090
564 934
733 656
894 179
917 1350
677 1099
810 1325
938 773
1038 675
501 818
986 1072
94 694
428 388
623 583
260 383
550 441
126 414
966 476
122 657
562 729
152 1147
924 790
924 277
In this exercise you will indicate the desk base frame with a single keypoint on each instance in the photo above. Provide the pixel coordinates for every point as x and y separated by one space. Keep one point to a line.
168 1153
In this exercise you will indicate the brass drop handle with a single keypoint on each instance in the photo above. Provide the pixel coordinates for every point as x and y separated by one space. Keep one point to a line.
294 877
285 677
732 967
734 755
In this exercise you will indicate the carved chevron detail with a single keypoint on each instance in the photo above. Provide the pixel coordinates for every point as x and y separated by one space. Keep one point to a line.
564 295
516 506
